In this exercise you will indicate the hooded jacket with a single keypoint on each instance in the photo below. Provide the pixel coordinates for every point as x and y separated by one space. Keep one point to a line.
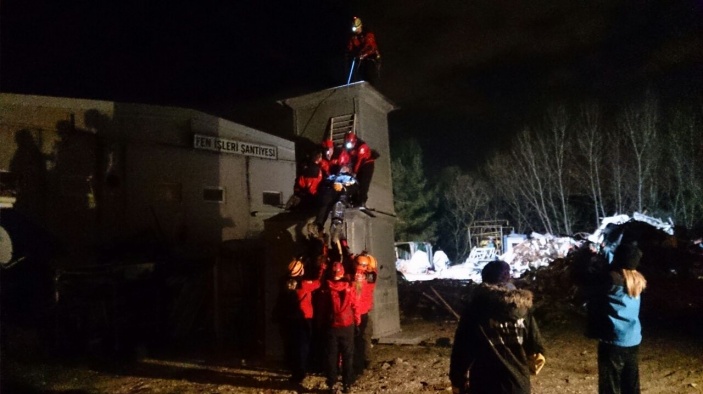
342 308
495 337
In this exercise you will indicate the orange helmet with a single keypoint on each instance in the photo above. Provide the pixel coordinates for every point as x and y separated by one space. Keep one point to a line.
295 268
362 261
356 25
367 261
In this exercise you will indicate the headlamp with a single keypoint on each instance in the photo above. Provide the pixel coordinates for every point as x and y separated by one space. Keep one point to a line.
348 145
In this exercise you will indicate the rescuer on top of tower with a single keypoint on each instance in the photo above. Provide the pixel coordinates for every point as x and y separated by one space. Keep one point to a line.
363 54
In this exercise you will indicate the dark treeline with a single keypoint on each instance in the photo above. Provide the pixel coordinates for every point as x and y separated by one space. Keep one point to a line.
562 174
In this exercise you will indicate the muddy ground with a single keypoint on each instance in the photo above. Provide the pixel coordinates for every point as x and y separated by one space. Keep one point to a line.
671 360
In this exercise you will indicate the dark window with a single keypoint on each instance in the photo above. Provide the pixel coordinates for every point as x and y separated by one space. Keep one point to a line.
214 194
273 198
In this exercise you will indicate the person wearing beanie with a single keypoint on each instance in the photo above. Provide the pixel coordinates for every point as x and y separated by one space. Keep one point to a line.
613 312
497 345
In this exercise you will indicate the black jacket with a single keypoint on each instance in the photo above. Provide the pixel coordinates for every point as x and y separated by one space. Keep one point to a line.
495 336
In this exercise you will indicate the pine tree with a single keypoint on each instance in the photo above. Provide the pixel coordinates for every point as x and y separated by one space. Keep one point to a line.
415 202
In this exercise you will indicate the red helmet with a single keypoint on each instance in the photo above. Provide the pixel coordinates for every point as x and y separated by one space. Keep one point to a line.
350 140
328 149
337 270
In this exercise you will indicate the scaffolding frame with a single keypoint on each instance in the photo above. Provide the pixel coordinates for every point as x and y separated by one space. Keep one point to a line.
482 230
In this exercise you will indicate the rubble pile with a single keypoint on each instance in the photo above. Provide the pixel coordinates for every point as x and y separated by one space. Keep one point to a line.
545 264
538 251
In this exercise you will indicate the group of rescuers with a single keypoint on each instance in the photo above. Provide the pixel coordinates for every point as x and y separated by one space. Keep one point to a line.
323 311
328 291
330 172
333 170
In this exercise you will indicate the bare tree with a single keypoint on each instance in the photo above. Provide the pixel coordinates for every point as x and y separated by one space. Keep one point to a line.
685 156
540 173
591 145
465 200
501 170
639 124
556 151
619 165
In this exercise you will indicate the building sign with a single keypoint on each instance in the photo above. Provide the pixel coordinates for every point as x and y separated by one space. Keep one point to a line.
235 147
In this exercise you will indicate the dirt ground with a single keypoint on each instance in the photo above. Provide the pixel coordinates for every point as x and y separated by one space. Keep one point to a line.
671 362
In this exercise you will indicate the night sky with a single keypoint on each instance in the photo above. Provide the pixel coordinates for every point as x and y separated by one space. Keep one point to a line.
465 74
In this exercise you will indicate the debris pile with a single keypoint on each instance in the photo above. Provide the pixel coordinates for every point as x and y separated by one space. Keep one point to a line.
545 264
538 251
541 250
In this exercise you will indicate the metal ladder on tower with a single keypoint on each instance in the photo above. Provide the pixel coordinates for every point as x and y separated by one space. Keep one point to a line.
340 126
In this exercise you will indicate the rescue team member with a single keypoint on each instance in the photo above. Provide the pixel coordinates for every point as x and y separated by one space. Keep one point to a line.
333 188
334 158
363 54
306 186
497 343
295 313
362 162
365 283
341 308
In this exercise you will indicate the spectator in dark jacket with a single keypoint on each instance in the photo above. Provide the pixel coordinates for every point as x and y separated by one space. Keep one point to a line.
497 344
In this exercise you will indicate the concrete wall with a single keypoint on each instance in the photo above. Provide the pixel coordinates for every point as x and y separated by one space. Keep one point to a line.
49 147
374 235
94 171
312 114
